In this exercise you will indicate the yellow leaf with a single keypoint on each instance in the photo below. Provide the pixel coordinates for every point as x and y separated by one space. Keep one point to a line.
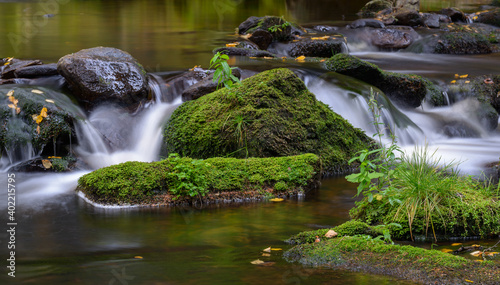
43 113
266 254
476 253
476 245
331 234
467 81
54 157
253 57
10 93
453 82
493 253
456 244
470 281
464 76
258 261
232 44
13 100
276 199
320 38
46 163
267 249
35 116
38 129
138 257
36 91
12 106
446 250
457 76
38 120
191 69
300 58
378 197
50 101
322 60
276 248
268 57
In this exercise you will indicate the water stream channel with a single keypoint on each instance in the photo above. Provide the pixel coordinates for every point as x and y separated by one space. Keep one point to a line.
63 239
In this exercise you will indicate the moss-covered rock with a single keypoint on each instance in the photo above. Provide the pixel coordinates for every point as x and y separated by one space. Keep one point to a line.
462 43
491 17
177 180
18 114
279 28
349 228
401 261
371 8
267 115
406 90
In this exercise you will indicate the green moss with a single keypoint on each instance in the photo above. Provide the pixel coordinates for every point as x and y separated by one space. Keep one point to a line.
281 116
371 8
139 182
462 43
404 262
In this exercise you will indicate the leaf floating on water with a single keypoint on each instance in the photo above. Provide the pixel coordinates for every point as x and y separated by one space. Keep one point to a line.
276 248
257 261
476 253
46 163
267 249
36 91
446 250
276 200
456 244
50 101
138 257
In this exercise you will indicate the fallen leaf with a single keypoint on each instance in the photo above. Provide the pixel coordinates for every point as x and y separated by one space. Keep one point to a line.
470 281
12 106
43 113
493 253
467 81
455 244
464 76
38 119
453 82
10 93
36 91
50 101
13 100
276 200
46 163
488 81
457 76
138 257
253 57
266 254
18 110
475 245
38 129
320 38
331 233
257 261
232 44
267 249
191 69
476 253
246 36
276 248
55 157
269 263
446 250
300 58
268 57
322 60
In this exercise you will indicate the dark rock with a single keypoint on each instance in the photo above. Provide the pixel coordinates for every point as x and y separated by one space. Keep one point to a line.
408 17
15 64
405 90
461 43
261 38
371 8
490 17
324 28
317 48
36 71
391 39
432 20
361 23
205 86
244 52
279 28
454 14
408 4
249 23
104 74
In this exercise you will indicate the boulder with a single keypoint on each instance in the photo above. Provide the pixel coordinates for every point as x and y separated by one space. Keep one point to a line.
454 14
371 8
407 17
408 4
205 86
36 71
104 74
361 23
317 48
270 114
461 43
391 39
490 17
434 21
11 65
279 28
261 38
405 90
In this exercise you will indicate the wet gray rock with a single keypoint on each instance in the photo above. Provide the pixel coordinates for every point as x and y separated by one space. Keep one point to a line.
317 48
454 14
361 23
36 71
407 17
104 74
10 67
325 28
434 21
391 39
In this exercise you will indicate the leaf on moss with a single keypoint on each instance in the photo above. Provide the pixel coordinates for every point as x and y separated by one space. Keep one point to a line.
46 163
36 91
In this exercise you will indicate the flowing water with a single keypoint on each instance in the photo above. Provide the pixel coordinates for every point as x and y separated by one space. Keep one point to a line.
63 239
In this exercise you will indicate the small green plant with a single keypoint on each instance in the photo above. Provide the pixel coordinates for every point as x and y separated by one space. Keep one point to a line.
386 232
279 27
223 74
188 179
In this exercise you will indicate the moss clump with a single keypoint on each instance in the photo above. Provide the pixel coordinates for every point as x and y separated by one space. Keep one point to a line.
404 262
140 182
462 43
20 128
371 8
406 90
270 114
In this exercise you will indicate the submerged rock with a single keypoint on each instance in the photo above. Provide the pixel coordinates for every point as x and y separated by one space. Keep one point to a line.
269 114
37 71
104 74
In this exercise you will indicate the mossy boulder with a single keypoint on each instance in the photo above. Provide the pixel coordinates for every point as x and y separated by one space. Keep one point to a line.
491 17
462 43
407 90
18 114
371 8
278 28
361 253
317 48
177 180
269 114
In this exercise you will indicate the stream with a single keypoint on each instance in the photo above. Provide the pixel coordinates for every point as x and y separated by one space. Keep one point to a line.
61 238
